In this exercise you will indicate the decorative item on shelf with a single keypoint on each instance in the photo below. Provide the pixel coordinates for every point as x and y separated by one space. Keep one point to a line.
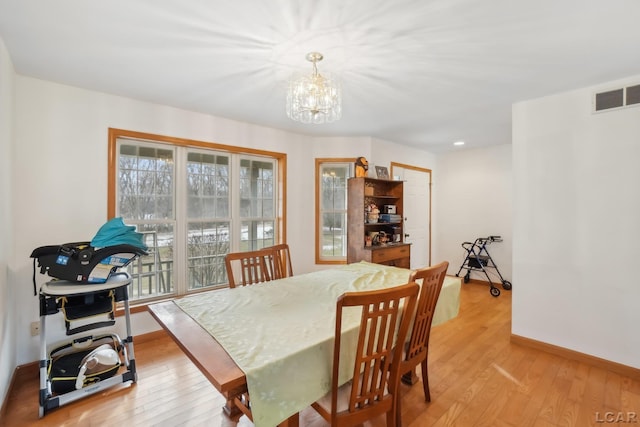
381 238
362 166
382 172
314 98
391 218
373 213
367 241
368 189
397 234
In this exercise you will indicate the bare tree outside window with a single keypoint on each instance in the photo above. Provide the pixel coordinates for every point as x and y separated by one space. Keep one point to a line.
182 199
257 204
145 198
209 218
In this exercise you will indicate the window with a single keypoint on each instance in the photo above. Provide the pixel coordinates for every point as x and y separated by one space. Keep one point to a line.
194 202
331 209
256 204
208 217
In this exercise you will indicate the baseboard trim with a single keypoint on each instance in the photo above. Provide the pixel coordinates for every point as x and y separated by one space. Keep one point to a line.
30 371
608 365
474 281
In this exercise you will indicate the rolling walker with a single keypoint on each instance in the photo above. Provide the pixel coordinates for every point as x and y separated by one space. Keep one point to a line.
478 259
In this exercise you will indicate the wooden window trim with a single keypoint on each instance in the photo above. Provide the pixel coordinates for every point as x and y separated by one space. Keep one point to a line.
281 159
319 161
114 134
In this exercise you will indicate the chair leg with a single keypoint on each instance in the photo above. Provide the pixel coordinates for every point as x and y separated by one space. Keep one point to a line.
398 410
393 417
425 381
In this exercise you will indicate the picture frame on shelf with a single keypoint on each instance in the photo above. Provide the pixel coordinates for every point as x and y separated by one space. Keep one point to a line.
382 172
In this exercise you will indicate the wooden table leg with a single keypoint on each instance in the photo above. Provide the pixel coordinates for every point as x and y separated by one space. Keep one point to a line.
292 421
230 409
234 412
410 378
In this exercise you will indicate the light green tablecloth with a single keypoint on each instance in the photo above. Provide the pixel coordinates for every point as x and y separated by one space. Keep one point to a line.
281 333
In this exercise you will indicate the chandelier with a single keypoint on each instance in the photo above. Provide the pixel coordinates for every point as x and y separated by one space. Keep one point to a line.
314 98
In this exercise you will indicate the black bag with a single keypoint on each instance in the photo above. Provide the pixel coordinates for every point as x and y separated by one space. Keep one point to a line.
81 262
79 308
82 357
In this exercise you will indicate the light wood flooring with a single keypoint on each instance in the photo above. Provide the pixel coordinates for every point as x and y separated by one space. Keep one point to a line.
477 378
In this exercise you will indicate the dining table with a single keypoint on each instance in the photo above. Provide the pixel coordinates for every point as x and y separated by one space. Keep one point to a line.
273 341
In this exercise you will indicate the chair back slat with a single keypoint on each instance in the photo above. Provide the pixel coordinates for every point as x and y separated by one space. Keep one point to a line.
281 261
417 349
432 279
263 265
385 318
249 267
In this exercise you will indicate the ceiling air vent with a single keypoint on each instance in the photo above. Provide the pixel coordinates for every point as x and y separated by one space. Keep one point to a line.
611 99
617 98
633 95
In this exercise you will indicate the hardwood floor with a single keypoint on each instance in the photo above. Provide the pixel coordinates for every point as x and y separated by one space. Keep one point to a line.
477 378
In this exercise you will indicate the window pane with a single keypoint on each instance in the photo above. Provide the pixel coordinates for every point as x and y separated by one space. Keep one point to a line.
334 235
256 189
145 182
256 235
207 185
207 244
332 200
208 198
153 274
334 186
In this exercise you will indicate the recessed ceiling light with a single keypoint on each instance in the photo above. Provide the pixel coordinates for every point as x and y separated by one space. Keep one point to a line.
458 143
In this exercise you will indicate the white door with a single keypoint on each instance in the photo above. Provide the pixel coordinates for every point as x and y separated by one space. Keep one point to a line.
417 212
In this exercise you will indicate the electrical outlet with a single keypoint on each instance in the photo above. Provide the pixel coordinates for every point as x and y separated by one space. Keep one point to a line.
35 328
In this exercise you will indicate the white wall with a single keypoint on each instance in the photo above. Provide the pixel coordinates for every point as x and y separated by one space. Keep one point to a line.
576 224
7 332
474 190
61 164
60 143
385 152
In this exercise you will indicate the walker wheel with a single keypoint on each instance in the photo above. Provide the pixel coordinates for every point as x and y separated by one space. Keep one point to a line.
466 278
495 292
506 285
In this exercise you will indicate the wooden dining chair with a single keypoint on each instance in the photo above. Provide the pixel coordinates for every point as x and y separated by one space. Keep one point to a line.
417 348
281 266
374 386
247 268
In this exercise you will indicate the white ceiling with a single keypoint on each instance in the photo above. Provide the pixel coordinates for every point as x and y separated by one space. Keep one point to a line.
419 72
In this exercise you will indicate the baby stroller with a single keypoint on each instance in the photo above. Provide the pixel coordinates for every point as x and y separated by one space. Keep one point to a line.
478 259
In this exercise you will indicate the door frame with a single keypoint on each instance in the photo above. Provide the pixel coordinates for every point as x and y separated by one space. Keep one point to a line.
429 172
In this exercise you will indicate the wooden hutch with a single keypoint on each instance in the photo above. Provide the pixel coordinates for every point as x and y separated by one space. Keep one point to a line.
363 192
